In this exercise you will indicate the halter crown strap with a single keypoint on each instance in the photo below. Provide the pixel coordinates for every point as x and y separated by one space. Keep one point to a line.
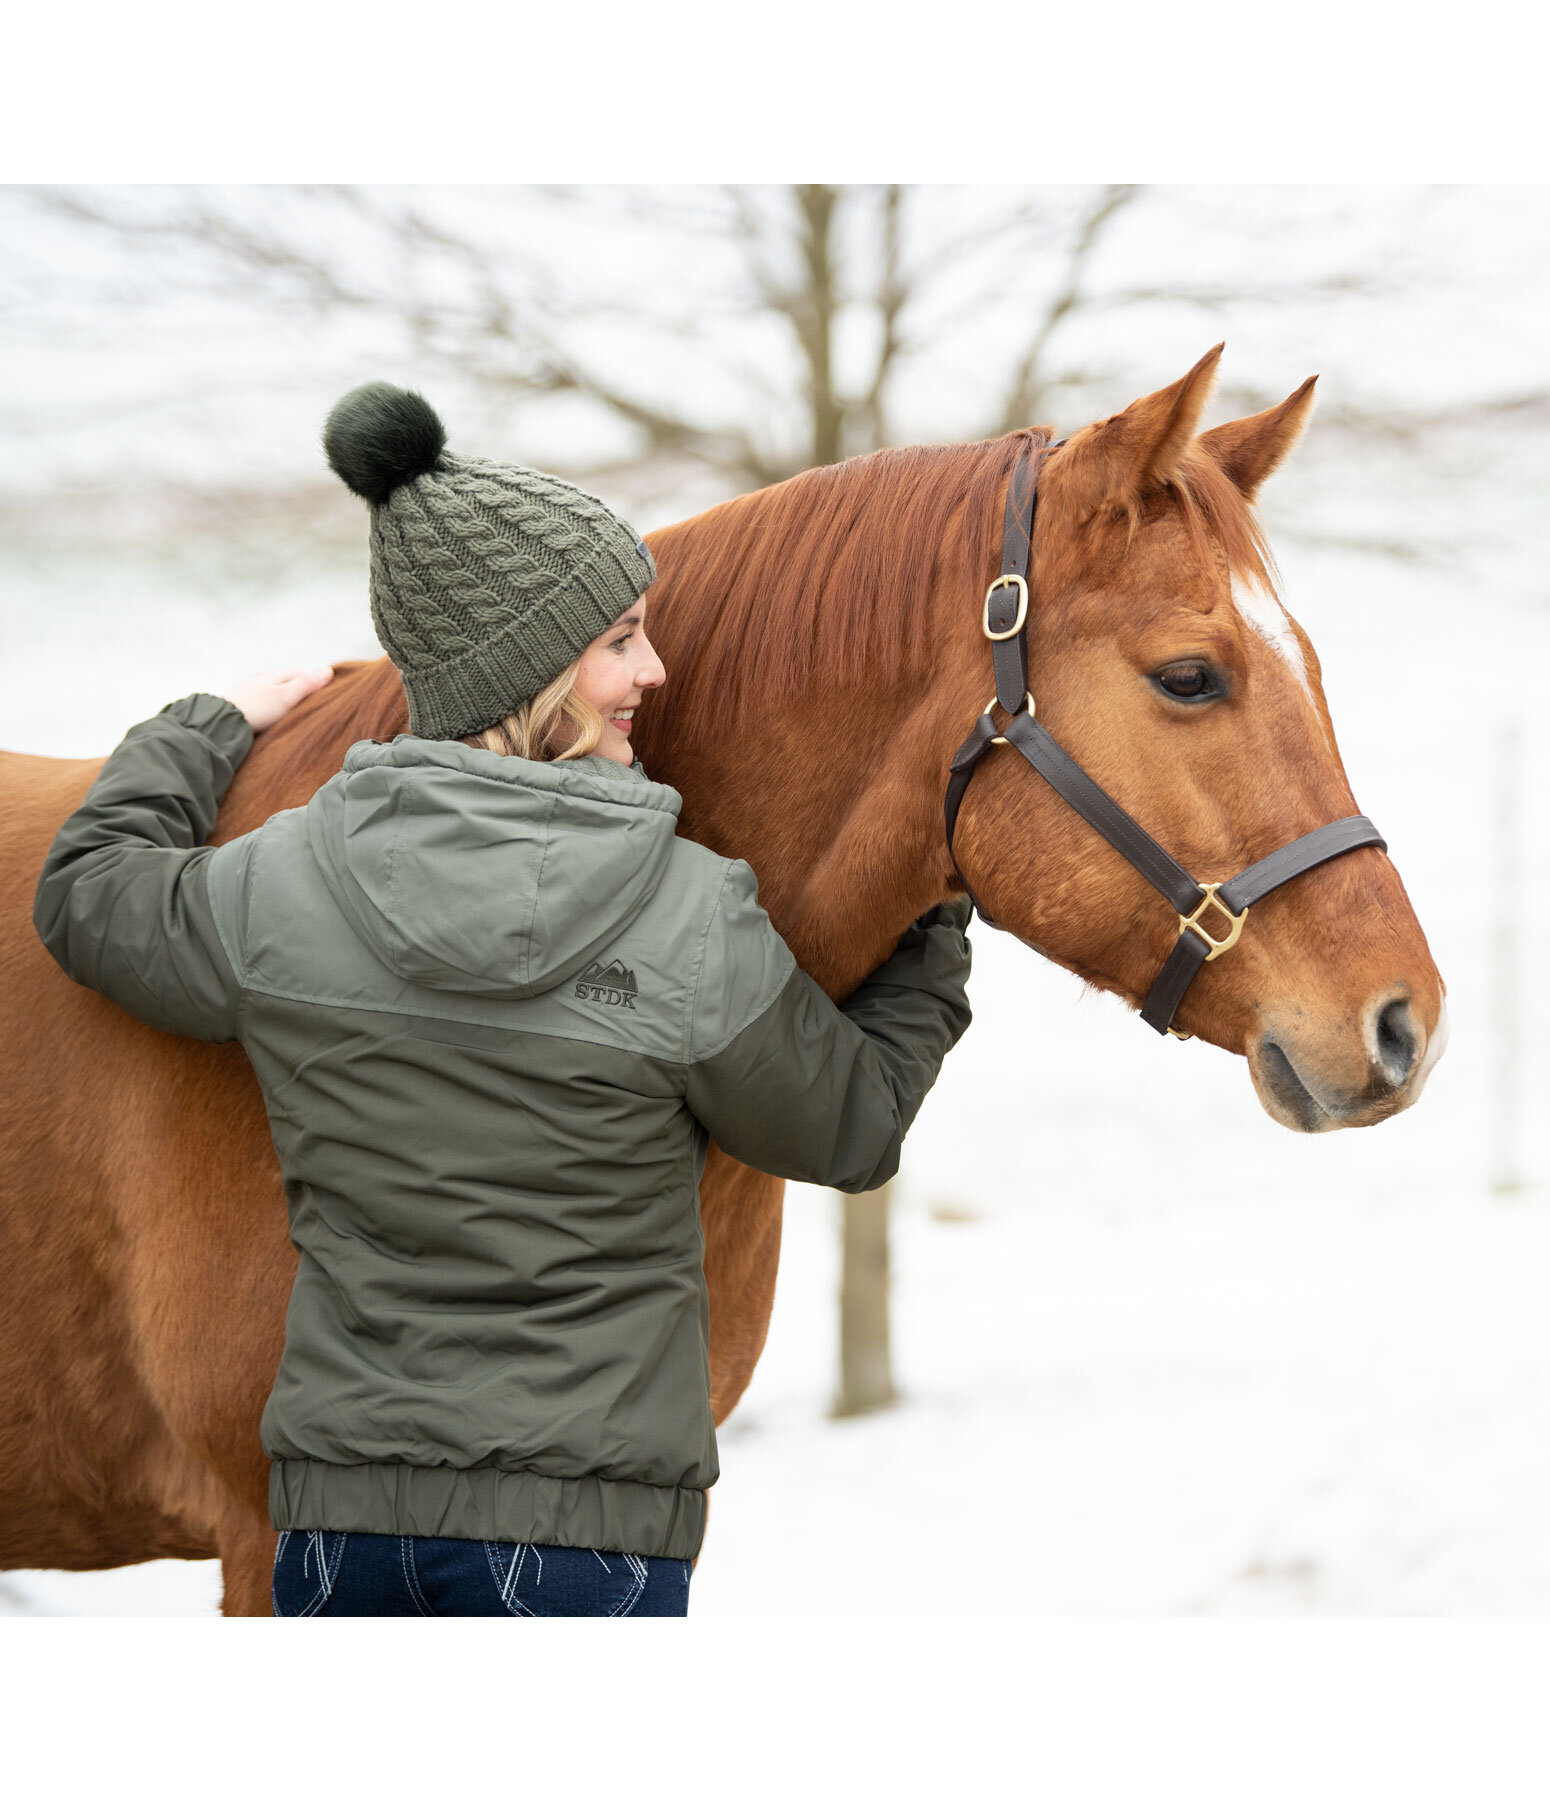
1006 603
1211 915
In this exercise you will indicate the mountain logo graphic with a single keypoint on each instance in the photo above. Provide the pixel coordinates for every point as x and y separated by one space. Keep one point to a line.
609 984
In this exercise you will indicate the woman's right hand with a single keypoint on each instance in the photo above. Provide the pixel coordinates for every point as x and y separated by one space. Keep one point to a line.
266 697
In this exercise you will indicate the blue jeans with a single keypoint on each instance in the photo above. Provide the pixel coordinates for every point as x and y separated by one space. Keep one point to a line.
360 1574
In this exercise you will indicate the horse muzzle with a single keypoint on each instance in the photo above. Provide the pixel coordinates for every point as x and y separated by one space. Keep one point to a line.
1326 1076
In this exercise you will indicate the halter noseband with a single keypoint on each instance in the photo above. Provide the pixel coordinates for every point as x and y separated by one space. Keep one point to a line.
1224 903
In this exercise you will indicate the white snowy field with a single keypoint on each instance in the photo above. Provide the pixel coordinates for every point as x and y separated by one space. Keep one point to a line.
1174 1359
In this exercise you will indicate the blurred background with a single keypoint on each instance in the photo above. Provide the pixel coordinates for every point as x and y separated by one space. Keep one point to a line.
1127 1347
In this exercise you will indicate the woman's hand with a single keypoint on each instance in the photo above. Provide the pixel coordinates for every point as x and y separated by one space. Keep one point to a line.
267 697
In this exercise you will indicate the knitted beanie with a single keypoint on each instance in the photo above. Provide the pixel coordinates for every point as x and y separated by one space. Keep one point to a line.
487 579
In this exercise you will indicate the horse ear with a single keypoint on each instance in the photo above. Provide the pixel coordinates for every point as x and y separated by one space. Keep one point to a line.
1250 450
1137 450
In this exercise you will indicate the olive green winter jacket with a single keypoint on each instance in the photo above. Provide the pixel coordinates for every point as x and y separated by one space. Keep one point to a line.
494 1007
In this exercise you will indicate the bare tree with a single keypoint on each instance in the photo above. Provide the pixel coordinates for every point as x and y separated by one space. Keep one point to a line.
715 339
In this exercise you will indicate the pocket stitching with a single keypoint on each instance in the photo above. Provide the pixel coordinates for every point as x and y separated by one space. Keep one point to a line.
639 1571
328 1572
412 1578
274 1574
504 1582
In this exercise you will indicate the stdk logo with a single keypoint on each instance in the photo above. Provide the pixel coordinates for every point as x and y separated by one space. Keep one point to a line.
609 984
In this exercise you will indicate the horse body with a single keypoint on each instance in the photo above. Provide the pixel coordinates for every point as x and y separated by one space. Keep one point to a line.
825 657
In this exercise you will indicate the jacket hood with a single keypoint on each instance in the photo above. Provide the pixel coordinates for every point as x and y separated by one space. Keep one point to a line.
489 874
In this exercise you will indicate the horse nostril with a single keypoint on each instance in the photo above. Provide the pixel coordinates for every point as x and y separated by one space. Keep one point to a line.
1398 1041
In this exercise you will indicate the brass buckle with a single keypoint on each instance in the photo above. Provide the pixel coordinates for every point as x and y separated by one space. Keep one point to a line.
992 707
997 637
1191 922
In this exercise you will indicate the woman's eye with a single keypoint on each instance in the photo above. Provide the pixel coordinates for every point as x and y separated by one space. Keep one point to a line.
619 643
1187 681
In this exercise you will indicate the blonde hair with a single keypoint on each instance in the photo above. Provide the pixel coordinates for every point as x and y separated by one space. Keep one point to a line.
554 726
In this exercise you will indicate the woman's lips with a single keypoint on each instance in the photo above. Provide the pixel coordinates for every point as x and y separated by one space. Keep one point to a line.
622 725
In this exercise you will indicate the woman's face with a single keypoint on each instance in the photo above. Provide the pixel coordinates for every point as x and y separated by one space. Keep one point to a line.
616 671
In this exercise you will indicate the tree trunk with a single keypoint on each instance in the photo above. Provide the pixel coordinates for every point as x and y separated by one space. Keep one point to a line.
866 1370
816 321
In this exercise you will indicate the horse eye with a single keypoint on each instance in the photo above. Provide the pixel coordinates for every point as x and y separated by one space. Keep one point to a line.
1187 681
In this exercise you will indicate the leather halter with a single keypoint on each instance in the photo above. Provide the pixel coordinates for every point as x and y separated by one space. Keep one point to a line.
1225 903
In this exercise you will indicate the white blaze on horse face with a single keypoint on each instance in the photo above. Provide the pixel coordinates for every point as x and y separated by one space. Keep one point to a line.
1263 612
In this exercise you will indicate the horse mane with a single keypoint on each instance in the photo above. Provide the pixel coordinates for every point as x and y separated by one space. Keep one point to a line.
822 575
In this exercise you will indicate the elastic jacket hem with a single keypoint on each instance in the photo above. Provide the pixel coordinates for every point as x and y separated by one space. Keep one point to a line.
503 1505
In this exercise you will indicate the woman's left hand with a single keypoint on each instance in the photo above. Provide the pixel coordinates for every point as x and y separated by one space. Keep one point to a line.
267 697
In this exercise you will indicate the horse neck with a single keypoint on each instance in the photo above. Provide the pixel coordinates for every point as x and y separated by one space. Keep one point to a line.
837 802
843 829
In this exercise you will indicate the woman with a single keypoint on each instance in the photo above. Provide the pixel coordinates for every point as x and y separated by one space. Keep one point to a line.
496 1006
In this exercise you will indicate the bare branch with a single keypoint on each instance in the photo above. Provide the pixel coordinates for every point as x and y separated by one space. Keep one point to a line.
1363 284
1421 553
749 231
997 233
892 295
1025 387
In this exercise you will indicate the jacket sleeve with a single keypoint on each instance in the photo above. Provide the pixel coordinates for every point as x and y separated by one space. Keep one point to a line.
121 903
793 1084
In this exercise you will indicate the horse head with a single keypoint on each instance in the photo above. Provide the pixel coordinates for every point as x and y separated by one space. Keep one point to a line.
1165 663
825 653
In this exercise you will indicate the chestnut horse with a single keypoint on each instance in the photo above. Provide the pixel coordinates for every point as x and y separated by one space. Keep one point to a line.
825 658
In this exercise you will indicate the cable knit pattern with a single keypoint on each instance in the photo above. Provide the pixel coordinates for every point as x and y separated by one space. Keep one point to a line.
487 579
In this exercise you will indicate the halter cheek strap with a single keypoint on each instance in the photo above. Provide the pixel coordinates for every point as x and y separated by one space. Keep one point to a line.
1211 914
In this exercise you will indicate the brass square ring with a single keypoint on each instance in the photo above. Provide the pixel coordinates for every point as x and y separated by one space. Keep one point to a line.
1191 921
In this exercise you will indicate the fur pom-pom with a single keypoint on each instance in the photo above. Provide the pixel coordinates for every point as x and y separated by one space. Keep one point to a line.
380 436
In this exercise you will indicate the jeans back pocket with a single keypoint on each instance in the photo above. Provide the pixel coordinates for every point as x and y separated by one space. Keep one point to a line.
536 1581
306 1571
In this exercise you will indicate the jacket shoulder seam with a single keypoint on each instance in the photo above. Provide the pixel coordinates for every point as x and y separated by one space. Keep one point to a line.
713 912
753 1018
238 965
538 883
390 949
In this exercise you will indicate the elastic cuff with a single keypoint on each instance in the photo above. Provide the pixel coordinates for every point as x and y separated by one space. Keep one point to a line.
214 717
955 912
